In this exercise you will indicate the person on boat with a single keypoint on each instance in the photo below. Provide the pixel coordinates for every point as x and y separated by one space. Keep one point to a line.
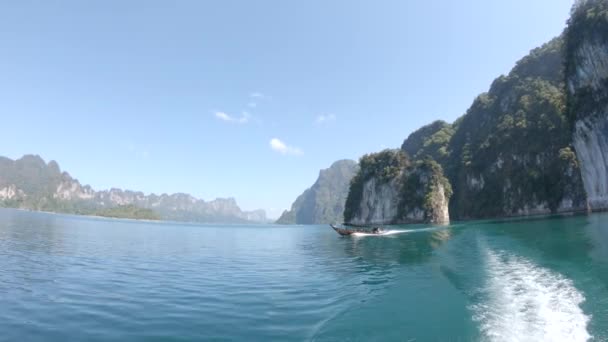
376 230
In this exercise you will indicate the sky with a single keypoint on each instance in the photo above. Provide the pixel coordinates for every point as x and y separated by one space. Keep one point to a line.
245 99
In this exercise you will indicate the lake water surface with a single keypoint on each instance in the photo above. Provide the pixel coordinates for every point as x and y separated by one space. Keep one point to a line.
67 278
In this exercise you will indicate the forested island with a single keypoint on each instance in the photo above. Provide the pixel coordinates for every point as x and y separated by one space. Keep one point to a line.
130 212
535 144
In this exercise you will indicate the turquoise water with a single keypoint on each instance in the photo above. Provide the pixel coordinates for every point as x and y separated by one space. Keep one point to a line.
65 278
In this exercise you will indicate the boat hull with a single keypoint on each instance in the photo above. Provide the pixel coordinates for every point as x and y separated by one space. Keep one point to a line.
343 232
347 232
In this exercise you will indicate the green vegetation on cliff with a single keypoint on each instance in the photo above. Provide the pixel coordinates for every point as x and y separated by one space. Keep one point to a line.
31 183
421 188
430 141
587 25
385 166
128 212
29 175
510 154
507 152
390 188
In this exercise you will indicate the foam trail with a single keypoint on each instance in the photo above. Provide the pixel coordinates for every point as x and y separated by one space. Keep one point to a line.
398 231
388 232
522 301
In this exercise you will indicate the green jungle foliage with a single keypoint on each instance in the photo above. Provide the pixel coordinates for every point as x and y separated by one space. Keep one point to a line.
36 184
510 152
384 166
417 181
588 24
430 141
420 186
512 139
128 212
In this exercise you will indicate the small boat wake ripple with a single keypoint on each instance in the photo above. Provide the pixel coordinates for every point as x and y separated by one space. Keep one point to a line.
398 231
521 301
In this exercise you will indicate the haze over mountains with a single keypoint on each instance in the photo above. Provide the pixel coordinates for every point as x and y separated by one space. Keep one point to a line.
324 201
30 183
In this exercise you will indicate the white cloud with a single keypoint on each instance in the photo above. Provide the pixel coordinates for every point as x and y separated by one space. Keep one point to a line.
321 119
281 147
228 118
252 104
223 116
256 95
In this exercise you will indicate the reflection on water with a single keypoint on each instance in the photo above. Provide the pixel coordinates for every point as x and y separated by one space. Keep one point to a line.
74 278
597 237
409 247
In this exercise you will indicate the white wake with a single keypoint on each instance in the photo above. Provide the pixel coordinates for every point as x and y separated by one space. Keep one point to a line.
385 233
522 301
398 231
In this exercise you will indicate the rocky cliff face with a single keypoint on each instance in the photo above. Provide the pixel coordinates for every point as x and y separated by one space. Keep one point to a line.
30 183
379 202
390 189
591 144
324 201
587 84
430 141
511 153
535 143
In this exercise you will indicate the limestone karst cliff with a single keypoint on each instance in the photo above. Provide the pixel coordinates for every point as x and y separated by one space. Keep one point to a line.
30 183
587 87
511 154
391 189
535 143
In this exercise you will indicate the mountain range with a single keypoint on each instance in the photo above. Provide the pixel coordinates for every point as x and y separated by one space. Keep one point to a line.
31 183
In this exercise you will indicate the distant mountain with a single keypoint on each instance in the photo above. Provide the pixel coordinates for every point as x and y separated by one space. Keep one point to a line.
324 201
30 183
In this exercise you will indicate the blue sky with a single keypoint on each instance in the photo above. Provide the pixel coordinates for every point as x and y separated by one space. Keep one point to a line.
245 99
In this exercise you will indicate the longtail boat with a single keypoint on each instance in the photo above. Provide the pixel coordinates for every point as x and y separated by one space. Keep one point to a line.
347 232
342 231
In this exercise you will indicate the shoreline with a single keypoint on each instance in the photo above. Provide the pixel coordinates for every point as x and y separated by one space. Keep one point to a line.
133 219
533 217
83 215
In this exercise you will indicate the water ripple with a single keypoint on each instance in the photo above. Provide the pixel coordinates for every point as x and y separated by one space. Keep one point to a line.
71 278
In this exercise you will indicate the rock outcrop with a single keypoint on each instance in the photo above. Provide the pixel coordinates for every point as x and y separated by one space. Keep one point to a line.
511 153
324 202
390 189
587 85
536 143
